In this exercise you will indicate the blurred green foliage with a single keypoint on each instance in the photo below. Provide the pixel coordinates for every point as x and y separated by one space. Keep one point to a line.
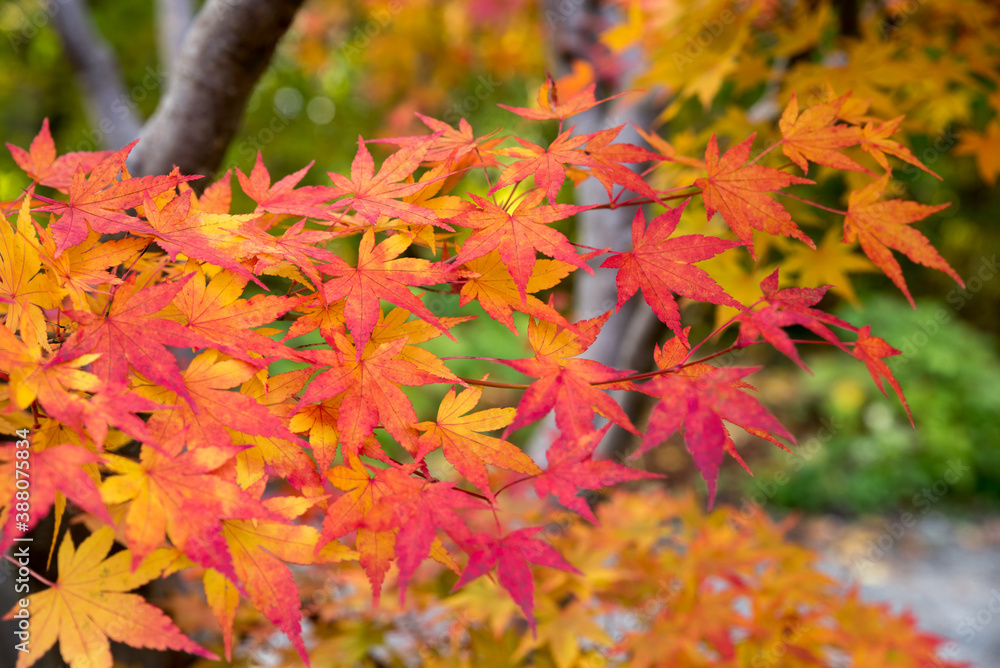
862 456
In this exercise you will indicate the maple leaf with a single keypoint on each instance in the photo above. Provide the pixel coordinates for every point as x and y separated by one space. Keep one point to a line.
380 274
661 265
270 454
739 191
605 161
212 411
790 306
884 225
371 386
697 402
298 246
49 380
81 269
493 287
260 550
566 384
179 228
447 141
986 149
376 548
41 164
872 350
544 164
116 407
217 314
396 324
572 468
517 234
373 195
87 606
56 469
813 135
130 336
875 140
417 509
21 284
512 555
100 201
549 106
282 197
458 432
179 496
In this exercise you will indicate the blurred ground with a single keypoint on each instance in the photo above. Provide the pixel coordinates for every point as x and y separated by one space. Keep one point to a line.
945 570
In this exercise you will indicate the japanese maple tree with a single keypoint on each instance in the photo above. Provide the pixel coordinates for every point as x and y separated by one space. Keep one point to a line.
238 468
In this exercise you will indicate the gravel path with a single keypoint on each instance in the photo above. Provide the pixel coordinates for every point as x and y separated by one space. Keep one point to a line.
946 571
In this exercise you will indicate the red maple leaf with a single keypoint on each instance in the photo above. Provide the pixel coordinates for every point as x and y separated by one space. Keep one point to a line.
41 164
417 509
379 275
282 197
512 555
572 468
180 228
518 234
544 164
58 468
373 195
130 336
100 201
549 106
787 307
662 265
371 386
696 402
566 384
217 313
448 142
740 193
872 350
606 159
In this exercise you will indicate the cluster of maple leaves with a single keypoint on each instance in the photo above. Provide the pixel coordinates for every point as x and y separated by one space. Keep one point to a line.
90 321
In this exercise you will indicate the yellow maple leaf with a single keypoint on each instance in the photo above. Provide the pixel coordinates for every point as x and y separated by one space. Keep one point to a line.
87 606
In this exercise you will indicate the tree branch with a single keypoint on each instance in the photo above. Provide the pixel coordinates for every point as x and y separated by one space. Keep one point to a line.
224 54
98 73
173 18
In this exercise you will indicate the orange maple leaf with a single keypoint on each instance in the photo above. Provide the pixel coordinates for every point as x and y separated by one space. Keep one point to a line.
813 135
739 191
458 432
885 225
41 164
